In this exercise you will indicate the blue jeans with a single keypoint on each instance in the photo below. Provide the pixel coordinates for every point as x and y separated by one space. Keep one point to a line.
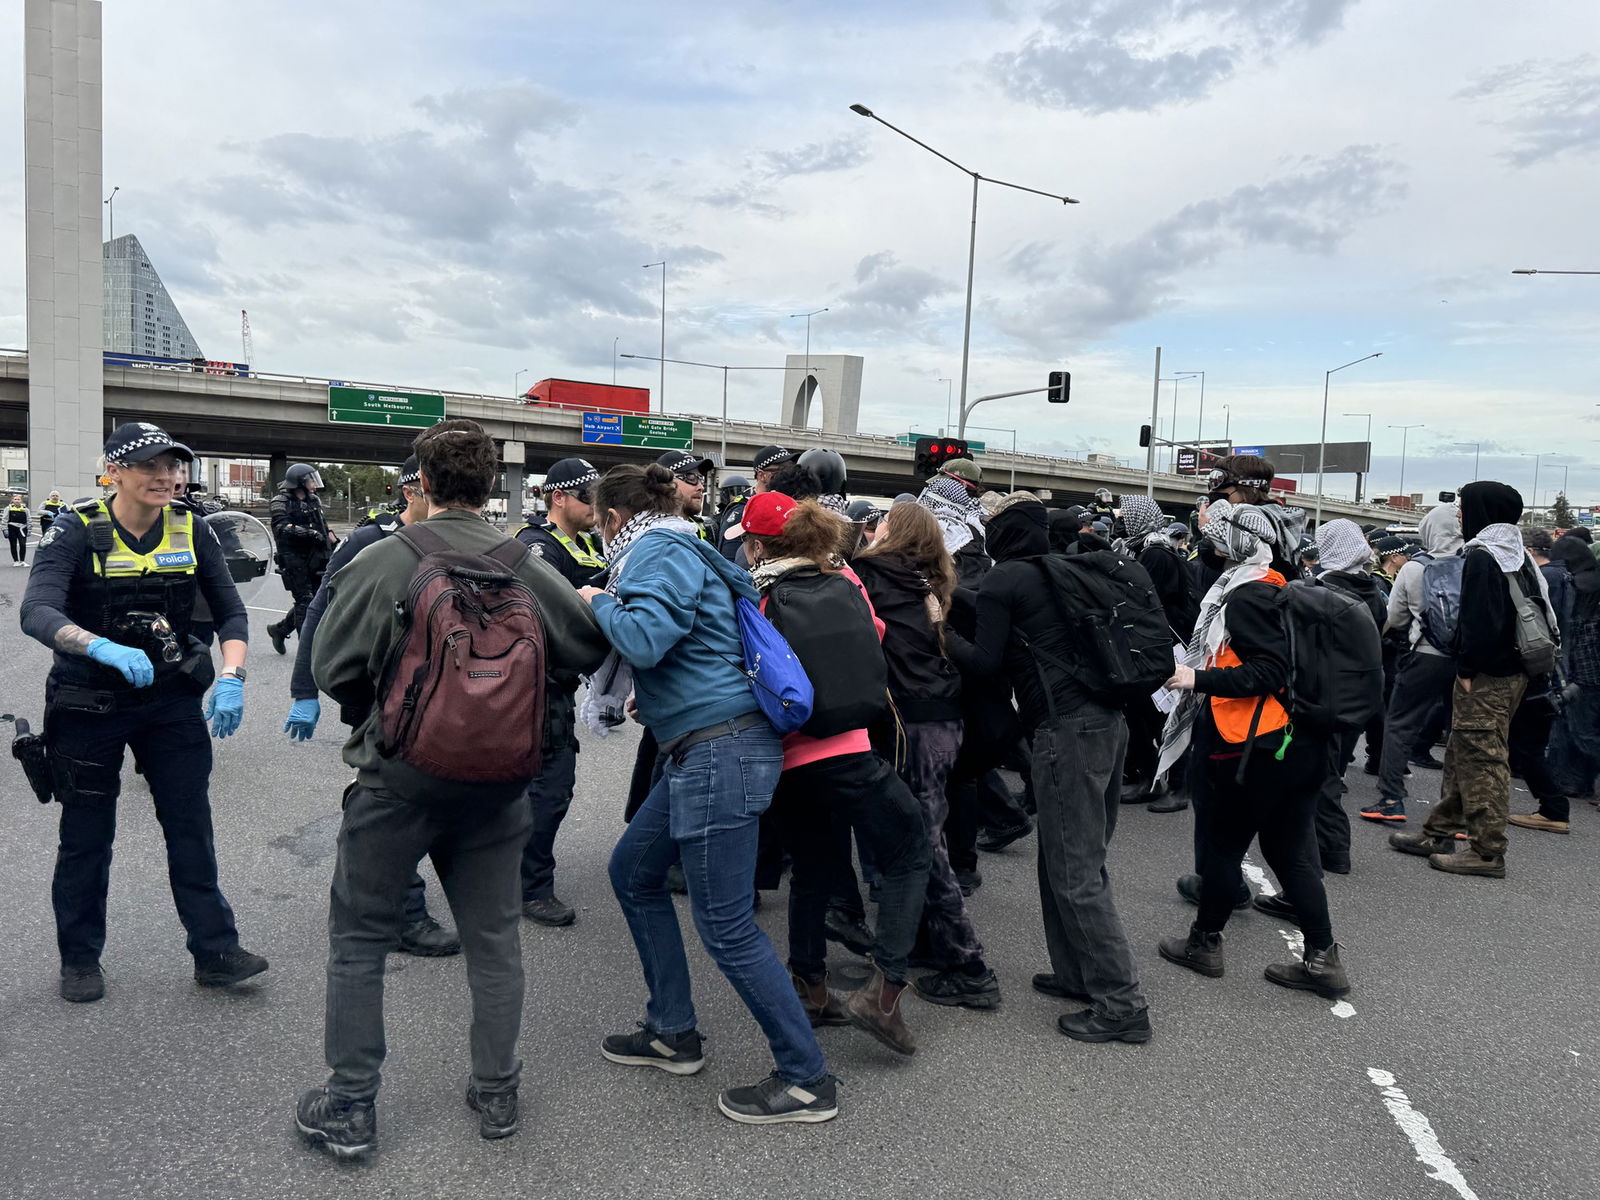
704 810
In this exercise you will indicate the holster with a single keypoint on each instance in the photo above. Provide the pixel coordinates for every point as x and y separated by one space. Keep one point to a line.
197 672
29 749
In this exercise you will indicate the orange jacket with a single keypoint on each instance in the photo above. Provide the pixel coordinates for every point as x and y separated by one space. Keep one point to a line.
1233 715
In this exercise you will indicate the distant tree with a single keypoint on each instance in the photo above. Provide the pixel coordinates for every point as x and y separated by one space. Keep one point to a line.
1561 512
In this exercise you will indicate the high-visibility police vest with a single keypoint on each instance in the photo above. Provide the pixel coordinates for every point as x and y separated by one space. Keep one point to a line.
585 551
17 514
115 581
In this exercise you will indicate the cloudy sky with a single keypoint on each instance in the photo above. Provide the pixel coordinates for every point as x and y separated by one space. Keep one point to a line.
414 193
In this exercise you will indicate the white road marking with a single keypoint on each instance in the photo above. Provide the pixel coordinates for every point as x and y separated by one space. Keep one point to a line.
1344 1010
258 608
1295 940
1419 1130
1258 877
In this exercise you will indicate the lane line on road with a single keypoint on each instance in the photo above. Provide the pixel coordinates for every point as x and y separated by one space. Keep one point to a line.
1344 1010
259 608
1258 877
1419 1130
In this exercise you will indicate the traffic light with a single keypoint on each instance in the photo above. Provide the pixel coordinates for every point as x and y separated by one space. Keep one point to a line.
934 452
1060 390
1144 436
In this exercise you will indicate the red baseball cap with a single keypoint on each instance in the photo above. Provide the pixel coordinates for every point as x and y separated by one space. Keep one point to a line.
766 514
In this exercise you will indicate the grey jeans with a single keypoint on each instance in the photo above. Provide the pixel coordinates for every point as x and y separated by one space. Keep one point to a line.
477 853
1077 780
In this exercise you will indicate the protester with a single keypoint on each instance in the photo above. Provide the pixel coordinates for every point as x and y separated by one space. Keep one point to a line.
952 497
1490 682
833 781
1253 775
1078 747
909 579
396 812
668 609
1424 675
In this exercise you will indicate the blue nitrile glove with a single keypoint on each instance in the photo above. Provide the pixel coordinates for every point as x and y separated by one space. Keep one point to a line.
134 664
225 709
303 717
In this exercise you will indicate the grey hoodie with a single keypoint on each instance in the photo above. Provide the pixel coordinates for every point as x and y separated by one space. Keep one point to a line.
1441 538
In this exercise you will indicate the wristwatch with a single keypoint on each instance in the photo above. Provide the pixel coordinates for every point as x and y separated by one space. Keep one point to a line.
236 672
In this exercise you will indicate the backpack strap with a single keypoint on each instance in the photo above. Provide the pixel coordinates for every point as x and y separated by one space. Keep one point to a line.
510 553
423 542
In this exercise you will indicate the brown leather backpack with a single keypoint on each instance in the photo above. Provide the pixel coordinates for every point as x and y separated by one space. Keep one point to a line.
463 694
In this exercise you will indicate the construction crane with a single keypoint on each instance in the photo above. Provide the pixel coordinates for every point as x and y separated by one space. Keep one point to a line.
244 337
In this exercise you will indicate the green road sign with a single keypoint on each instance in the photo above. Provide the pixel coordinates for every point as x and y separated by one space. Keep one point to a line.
650 433
373 406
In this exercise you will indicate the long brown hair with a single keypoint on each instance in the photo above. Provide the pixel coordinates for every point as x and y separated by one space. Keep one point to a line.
810 532
914 535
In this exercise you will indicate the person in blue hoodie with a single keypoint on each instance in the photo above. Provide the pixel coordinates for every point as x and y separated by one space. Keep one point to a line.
668 609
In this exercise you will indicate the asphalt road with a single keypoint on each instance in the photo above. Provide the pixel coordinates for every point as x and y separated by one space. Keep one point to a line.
1465 1063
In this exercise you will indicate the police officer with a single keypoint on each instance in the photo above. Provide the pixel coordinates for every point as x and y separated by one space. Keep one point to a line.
567 542
766 463
304 544
691 471
49 511
17 530
112 594
733 493
1102 506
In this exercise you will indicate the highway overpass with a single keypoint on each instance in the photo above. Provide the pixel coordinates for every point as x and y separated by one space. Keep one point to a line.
283 417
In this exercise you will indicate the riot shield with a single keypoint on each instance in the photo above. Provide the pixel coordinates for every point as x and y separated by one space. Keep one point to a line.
247 547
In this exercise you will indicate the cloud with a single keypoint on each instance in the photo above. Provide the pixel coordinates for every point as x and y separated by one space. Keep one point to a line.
1310 209
889 296
838 155
1548 107
1105 56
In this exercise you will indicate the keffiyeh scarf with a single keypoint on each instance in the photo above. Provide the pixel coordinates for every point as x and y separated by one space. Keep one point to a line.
955 508
1341 546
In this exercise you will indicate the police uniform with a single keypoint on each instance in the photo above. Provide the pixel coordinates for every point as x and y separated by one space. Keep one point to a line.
684 463
137 592
579 559
17 531
48 512
301 533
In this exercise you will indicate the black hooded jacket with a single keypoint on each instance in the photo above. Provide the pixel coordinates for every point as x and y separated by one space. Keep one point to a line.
1581 641
923 683
1486 631
1016 610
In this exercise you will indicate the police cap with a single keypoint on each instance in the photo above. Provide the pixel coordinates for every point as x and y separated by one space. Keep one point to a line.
139 441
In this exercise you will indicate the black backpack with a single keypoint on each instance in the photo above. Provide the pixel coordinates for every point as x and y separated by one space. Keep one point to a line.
1335 658
1116 622
828 625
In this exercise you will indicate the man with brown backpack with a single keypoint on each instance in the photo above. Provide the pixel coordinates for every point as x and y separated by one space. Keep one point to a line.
428 631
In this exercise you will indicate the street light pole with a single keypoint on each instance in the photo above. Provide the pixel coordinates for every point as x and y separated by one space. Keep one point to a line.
111 207
724 368
1536 458
807 316
1150 453
1200 421
1542 272
614 342
1322 453
1405 432
1477 454
514 381
972 238
1013 433
662 389
948 384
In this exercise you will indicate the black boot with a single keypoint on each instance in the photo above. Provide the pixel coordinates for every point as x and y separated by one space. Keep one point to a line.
1201 952
1175 800
277 633
1320 972
1189 889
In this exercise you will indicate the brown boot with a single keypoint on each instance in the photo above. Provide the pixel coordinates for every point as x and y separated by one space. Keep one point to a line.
821 1005
1469 862
875 1007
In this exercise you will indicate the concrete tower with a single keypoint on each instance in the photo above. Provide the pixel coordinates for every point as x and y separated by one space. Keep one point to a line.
61 152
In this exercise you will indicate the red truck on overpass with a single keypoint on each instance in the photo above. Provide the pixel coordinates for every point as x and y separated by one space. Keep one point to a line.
592 397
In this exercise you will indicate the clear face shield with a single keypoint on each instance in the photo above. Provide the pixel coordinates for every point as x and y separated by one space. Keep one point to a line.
313 480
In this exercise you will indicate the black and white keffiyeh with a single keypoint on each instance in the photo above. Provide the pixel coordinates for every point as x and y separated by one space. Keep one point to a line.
958 512
1341 546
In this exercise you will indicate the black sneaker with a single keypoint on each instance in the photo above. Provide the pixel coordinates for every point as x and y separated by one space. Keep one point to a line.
851 932
345 1128
1426 761
773 1102
955 988
675 1053
82 984
992 841
549 910
426 938
228 968
1048 983
1090 1026
497 1111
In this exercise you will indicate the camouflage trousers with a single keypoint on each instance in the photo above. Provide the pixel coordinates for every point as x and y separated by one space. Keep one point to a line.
1476 793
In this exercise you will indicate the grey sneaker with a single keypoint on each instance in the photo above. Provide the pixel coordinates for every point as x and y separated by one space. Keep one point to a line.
344 1128
675 1053
774 1102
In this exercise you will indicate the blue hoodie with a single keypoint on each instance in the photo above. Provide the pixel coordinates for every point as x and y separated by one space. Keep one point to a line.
673 620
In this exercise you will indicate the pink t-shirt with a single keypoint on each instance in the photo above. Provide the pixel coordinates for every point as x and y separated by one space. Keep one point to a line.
798 749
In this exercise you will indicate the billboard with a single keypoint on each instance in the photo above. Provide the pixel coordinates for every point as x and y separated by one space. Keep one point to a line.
1300 458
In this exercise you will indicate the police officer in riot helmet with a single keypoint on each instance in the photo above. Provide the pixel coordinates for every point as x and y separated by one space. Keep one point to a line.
112 594
1102 506
304 545
569 543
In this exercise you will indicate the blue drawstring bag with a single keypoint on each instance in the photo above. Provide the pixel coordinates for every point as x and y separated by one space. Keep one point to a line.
781 686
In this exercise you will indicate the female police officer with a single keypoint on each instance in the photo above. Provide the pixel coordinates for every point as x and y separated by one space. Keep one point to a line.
112 593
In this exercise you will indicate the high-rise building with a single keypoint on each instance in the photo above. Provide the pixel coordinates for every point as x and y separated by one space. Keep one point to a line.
139 315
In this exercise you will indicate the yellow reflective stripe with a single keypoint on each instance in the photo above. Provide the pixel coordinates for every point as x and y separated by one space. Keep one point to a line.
173 555
583 557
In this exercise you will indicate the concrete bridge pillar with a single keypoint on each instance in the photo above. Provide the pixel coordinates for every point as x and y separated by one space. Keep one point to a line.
277 468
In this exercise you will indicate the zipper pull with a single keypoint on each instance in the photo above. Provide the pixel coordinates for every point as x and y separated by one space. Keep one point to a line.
1288 737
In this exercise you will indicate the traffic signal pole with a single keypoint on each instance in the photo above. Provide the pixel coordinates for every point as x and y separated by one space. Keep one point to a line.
969 405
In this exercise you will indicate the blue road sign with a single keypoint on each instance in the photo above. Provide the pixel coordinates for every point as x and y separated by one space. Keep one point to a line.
602 429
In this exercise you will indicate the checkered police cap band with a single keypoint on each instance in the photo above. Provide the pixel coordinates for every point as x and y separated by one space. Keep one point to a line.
144 441
573 484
